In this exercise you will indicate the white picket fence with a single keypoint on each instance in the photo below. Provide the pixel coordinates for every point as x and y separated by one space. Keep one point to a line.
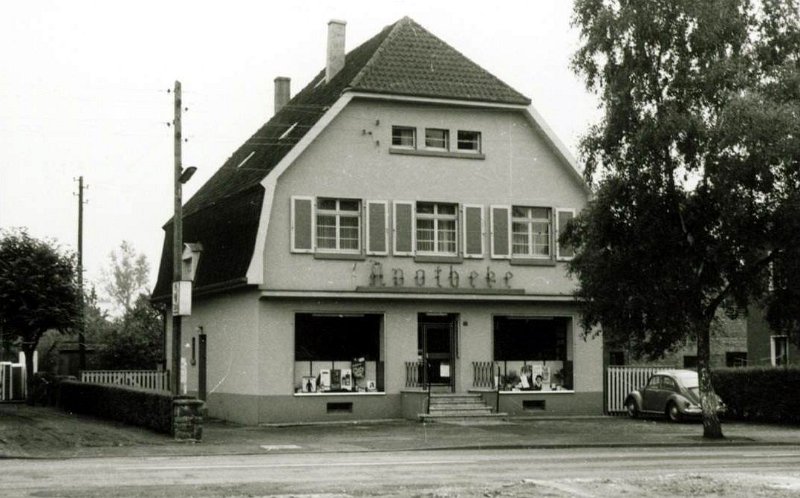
622 380
141 379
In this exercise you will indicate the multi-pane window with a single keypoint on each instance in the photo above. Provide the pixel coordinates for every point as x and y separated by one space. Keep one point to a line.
436 138
404 136
338 225
437 228
469 141
531 229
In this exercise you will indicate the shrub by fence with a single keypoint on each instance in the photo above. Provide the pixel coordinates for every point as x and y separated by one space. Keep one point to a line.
760 394
149 409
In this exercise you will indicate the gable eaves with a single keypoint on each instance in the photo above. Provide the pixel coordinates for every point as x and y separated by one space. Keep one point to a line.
255 271
567 159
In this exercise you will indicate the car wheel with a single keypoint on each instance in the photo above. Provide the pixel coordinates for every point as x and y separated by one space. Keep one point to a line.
673 413
631 408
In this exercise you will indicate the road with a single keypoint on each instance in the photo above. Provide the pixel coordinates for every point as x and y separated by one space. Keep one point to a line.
697 471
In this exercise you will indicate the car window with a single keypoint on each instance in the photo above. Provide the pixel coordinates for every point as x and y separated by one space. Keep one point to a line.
655 382
669 384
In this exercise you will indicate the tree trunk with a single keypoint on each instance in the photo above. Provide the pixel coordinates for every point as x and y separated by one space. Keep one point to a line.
709 403
29 374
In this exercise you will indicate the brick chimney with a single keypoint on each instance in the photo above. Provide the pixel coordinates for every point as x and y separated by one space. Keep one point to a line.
283 92
335 61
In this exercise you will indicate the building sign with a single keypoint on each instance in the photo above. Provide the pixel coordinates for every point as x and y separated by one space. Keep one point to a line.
182 298
439 278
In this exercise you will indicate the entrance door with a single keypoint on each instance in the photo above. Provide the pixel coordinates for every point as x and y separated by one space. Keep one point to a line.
437 344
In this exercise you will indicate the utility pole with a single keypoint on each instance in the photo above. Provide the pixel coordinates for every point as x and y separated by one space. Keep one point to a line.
82 322
177 245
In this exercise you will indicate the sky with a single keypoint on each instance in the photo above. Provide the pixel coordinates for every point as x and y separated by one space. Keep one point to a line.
83 92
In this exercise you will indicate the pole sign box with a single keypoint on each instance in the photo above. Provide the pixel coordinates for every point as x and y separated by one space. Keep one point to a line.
182 298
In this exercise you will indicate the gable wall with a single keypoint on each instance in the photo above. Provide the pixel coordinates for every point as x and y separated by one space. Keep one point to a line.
351 159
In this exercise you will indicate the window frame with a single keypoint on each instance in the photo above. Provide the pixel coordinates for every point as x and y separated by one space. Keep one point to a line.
478 142
376 357
398 128
529 221
436 217
446 139
773 350
338 214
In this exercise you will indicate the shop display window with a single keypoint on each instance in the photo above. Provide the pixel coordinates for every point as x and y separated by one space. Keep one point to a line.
533 353
338 353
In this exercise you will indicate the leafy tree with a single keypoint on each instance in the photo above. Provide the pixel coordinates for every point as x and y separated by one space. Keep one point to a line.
97 330
696 166
126 278
135 343
38 292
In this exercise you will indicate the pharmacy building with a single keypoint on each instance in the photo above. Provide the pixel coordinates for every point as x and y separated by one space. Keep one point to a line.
388 237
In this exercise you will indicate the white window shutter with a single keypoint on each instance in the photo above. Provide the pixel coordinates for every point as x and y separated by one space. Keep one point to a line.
473 231
500 226
377 228
403 228
302 224
563 217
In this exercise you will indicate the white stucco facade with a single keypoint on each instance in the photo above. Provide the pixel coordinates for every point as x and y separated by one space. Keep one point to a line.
252 367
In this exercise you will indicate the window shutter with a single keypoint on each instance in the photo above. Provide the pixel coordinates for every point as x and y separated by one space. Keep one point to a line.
473 231
302 224
403 228
501 231
563 252
377 225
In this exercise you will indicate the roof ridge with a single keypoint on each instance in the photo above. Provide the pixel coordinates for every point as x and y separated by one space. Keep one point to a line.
388 71
395 29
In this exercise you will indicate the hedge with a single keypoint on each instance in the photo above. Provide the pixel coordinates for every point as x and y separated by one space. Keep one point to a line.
762 394
150 409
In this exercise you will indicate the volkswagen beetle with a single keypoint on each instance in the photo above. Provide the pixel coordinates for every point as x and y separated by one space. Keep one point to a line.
675 394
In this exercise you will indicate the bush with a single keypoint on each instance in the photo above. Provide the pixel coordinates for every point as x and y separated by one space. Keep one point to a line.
762 394
150 409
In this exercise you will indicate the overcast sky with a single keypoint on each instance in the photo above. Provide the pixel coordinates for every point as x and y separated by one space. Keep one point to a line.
83 91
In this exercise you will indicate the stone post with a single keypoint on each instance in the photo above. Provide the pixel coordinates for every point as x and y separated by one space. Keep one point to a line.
187 418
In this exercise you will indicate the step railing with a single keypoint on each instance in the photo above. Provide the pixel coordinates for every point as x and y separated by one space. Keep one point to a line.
414 376
140 379
484 374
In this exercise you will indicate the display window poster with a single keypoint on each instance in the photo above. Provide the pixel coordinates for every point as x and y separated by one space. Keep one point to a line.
359 366
336 379
325 379
346 379
309 384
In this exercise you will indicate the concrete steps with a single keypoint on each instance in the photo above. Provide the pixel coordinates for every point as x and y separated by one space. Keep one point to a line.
447 407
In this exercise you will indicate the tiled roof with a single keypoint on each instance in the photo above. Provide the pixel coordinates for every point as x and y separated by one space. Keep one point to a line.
412 61
403 59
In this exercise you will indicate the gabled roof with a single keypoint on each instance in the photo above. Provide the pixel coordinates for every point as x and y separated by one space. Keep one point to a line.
412 61
403 59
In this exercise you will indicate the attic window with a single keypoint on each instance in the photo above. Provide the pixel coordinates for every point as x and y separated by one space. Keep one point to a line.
190 259
404 136
286 133
246 159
